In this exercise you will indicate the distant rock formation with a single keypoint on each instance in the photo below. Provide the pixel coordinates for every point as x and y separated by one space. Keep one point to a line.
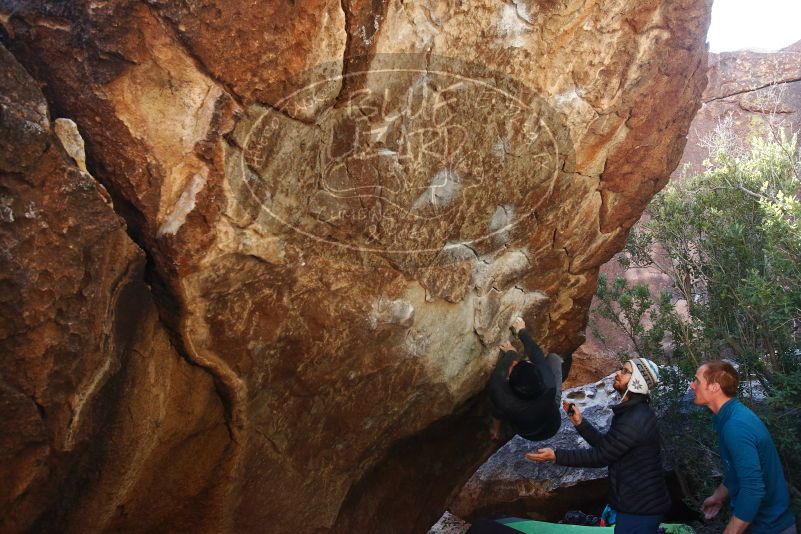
748 92
338 208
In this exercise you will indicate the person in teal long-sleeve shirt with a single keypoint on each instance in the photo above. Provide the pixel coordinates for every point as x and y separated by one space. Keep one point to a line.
753 480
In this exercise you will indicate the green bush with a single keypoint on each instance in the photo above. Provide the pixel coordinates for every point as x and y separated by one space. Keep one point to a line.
781 414
729 242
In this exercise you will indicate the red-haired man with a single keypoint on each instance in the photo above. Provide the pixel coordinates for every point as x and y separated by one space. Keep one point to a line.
752 472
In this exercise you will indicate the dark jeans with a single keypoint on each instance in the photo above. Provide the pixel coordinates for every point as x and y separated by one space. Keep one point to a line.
637 524
555 364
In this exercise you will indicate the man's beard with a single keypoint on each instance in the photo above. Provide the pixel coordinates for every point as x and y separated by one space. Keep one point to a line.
619 388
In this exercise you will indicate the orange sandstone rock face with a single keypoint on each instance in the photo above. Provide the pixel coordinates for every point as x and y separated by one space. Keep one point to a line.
341 224
99 413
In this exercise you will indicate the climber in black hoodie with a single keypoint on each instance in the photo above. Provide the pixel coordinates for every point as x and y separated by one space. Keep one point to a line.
526 393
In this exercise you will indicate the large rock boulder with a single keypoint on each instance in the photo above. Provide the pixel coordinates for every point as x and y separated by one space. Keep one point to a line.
340 223
99 415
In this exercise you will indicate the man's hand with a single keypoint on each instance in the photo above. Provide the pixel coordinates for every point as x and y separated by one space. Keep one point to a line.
576 418
506 346
542 455
518 325
711 507
712 504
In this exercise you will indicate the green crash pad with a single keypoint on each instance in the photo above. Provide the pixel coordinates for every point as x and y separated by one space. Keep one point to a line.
529 526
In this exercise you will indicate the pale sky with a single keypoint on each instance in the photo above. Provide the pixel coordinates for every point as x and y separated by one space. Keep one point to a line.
761 25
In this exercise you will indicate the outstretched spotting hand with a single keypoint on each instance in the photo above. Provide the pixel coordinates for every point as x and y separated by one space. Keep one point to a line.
542 455
576 418
506 346
518 325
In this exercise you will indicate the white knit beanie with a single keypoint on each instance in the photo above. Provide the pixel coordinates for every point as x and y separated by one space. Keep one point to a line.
644 376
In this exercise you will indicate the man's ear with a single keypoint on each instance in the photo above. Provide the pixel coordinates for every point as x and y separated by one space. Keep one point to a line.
714 387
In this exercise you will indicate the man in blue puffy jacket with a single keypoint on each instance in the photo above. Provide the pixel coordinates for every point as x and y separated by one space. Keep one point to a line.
638 491
752 473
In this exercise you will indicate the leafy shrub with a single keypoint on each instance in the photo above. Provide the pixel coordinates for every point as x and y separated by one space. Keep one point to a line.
729 242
